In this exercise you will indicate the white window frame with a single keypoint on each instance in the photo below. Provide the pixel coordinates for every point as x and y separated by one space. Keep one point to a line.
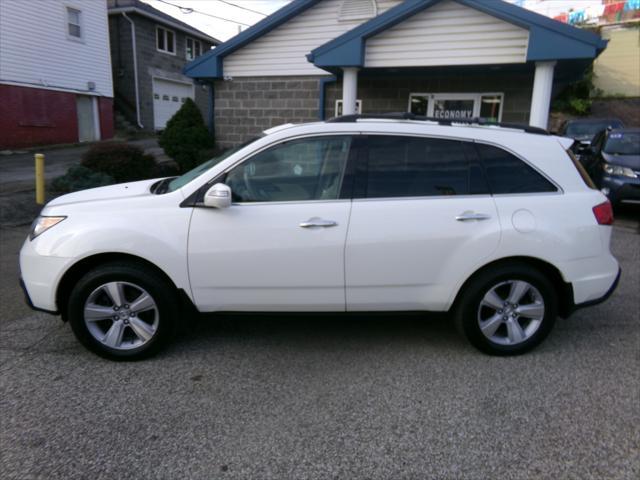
195 53
338 106
476 97
164 34
67 22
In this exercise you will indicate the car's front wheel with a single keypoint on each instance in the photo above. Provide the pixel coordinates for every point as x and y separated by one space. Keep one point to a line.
507 310
122 311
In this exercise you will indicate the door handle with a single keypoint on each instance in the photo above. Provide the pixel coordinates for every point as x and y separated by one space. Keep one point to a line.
466 216
318 222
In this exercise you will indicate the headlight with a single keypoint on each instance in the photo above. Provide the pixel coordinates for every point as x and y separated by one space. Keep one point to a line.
618 170
42 224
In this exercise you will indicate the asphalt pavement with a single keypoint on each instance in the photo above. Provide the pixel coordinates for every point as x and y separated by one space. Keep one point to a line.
317 397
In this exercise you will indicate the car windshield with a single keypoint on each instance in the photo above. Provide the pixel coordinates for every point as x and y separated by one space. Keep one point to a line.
182 180
586 131
623 143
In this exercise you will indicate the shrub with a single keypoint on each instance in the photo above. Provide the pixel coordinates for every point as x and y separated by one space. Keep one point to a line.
185 136
80 178
121 161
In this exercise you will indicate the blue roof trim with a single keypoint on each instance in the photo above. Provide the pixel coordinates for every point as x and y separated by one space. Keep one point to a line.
548 39
209 65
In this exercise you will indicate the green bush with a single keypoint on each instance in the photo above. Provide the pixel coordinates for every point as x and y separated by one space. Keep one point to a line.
80 178
185 136
121 161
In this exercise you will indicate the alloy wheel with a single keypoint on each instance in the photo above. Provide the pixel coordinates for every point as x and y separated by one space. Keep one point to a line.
121 315
511 312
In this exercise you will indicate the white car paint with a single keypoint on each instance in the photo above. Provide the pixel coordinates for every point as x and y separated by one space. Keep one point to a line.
396 254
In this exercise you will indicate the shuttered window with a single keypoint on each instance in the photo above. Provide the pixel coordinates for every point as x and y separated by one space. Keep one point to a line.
357 9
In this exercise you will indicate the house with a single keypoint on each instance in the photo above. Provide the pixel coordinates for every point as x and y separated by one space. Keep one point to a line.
149 49
55 73
315 59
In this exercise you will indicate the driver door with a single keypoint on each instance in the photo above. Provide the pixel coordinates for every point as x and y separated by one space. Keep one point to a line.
280 246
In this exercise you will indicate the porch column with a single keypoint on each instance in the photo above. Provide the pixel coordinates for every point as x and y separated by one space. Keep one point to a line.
541 97
349 90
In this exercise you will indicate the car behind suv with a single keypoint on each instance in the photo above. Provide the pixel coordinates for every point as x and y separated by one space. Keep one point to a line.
497 226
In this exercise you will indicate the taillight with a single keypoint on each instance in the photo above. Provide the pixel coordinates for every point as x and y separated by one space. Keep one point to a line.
604 213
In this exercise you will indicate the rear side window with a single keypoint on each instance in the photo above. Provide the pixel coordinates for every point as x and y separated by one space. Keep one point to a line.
506 173
418 167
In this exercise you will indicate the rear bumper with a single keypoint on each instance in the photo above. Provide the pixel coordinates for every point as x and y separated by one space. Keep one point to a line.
599 300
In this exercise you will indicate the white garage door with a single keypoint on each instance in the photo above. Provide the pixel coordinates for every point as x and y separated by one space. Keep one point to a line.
168 97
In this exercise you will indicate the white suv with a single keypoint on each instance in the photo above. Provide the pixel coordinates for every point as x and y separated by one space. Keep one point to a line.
496 225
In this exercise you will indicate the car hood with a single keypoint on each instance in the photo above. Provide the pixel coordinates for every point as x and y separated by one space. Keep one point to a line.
630 161
112 192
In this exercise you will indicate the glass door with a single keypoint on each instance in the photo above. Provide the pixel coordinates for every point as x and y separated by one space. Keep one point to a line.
457 105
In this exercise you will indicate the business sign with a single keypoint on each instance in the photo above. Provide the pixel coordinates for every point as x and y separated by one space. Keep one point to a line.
452 109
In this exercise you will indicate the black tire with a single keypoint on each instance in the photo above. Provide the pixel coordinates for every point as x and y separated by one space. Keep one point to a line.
162 293
467 311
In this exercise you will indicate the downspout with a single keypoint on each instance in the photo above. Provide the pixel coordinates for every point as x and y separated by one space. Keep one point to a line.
135 68
212 106
322 95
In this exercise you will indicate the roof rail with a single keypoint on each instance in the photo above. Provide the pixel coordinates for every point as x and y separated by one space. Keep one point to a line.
440 121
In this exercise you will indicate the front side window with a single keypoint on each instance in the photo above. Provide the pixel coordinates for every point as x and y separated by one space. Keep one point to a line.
193 48
165 40
298 170
74 27
418 167
506 173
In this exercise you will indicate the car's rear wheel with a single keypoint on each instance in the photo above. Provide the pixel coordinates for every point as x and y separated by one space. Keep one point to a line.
507 310
123 311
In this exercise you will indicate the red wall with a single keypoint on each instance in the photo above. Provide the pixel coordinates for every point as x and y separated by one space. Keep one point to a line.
105 109
34 116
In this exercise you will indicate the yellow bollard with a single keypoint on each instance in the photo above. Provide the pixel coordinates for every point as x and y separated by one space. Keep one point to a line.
39 178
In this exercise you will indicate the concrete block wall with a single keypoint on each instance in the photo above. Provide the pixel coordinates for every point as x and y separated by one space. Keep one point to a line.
244 107
151 63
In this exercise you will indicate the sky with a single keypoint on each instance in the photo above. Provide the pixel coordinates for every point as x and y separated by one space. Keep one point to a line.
201 11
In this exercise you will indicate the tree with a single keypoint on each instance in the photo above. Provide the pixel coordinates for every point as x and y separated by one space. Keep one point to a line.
185 136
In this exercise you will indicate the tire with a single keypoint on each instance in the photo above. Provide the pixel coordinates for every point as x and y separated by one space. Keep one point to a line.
490 325
123 311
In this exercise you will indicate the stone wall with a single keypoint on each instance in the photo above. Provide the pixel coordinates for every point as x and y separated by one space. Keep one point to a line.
244 107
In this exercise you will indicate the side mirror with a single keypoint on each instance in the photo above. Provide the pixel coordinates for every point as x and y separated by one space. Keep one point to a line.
218 196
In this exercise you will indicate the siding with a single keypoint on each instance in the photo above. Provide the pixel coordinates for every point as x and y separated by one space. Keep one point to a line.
448 34
36 50
283 50
617 69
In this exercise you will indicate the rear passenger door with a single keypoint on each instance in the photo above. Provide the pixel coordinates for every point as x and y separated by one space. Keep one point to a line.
422 220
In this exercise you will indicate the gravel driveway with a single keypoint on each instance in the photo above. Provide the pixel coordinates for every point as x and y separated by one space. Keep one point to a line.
378 397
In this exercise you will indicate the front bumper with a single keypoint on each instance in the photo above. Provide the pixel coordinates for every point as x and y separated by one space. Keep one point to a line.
27 300
621 189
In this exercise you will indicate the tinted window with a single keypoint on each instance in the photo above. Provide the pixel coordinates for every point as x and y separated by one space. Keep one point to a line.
508 174
308 169
416 167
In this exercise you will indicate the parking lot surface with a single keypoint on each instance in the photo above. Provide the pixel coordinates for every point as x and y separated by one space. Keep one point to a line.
351 397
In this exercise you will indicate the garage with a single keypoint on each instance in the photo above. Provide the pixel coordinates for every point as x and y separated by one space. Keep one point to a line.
168 97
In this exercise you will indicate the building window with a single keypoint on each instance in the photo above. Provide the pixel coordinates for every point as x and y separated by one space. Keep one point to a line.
165 40
193 48
457 105
74 26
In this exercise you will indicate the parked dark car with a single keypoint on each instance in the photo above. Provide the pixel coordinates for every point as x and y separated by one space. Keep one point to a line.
614 164
583 130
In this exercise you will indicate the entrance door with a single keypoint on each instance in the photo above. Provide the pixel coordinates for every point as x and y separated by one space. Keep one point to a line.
86 118
168 97
280 245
